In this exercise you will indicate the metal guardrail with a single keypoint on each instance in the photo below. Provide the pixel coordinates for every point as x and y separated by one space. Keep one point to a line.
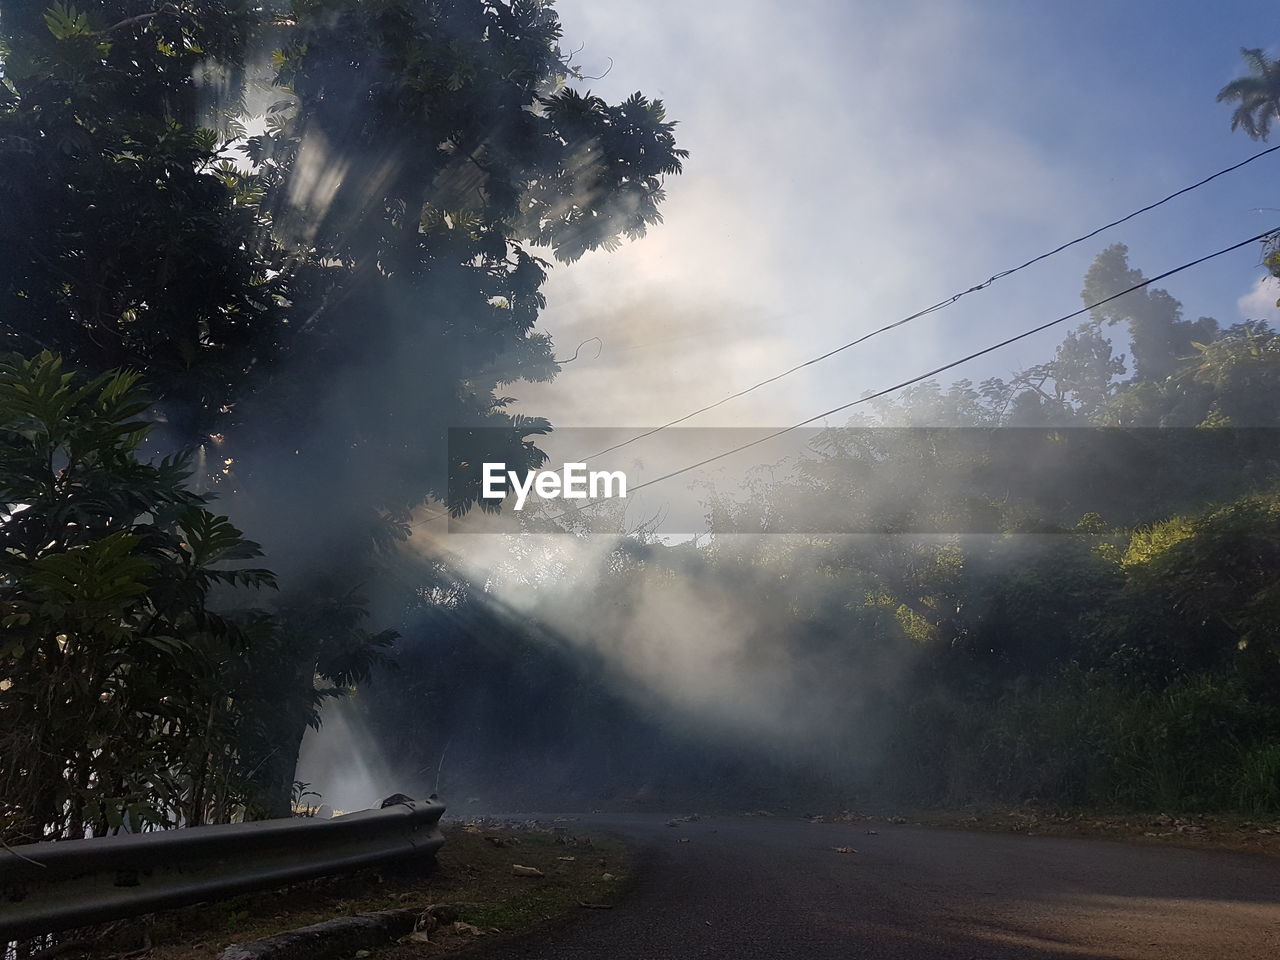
57 885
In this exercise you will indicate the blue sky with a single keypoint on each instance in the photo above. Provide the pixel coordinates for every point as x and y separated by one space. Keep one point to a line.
853 162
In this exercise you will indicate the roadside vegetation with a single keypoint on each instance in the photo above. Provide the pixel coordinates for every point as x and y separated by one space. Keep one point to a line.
197 301
472 888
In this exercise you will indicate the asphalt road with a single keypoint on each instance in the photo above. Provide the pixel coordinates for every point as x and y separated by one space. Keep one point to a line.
767 888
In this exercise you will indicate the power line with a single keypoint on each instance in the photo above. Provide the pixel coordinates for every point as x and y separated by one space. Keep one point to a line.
940 305
934 372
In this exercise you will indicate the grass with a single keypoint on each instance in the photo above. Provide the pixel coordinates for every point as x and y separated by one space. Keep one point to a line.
474 870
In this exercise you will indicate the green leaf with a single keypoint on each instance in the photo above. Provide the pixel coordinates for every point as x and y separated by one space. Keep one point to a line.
66 22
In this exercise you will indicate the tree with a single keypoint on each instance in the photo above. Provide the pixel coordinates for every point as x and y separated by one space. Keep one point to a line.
316 304
430 154
1201 595
115 704
374 245
1084 370
1160 338
1257 96
130 239
1239 377
433 149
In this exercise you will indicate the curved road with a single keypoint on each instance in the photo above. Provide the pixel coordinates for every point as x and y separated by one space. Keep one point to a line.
765 888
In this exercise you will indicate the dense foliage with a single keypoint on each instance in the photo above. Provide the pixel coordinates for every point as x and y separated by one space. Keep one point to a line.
121 693
125 697
319 228
363 215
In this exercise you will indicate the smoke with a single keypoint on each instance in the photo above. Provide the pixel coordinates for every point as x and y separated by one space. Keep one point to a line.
799 653
725 654
343 764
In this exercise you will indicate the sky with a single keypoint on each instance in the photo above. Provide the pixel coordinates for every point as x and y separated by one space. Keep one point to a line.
854 162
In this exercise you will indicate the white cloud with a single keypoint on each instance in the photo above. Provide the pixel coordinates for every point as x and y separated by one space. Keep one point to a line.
1260 302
